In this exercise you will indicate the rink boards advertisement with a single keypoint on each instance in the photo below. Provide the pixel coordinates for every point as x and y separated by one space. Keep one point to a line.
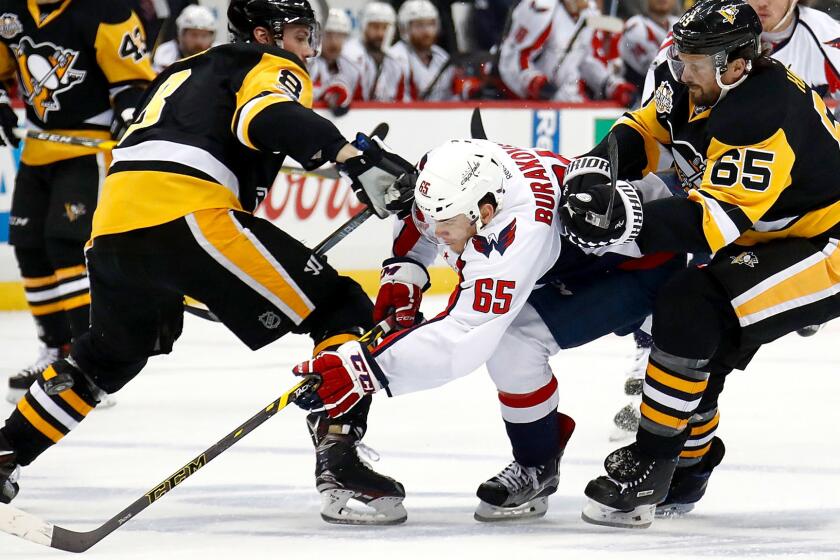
310 207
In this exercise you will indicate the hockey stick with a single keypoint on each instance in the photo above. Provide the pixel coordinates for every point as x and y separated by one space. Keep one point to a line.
477 125
27 526
326 173
603 220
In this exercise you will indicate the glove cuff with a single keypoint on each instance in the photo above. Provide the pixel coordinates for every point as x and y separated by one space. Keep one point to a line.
405 270
364 367
630 198
4 97
585 165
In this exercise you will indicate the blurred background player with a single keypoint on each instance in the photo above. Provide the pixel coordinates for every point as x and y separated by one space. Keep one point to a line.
369 52
196 32
426 68
81 81
547 53
642 36
334 77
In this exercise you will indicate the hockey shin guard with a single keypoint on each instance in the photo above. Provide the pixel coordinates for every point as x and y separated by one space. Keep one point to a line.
49 410
43 296
67 257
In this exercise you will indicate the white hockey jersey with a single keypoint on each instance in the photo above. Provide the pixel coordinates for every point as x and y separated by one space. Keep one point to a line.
167 53
419 76
498 270
810 48
640 41
340 79
538 40
376 82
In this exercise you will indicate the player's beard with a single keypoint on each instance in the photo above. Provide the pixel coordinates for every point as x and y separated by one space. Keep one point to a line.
701 97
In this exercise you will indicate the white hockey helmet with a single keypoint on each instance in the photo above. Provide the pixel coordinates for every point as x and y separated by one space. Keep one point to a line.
377 12
412 10
455 177
338 22
196 17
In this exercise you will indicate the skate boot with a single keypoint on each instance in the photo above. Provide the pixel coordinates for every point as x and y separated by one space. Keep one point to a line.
520 492
341 475
21 381
626 420
9 472
810 330
628 495
689 483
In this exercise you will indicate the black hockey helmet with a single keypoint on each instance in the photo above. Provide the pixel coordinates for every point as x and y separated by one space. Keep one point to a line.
719 26
246 15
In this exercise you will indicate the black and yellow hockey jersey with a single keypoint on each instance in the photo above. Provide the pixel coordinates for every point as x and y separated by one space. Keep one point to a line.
212 132
762 164
72 58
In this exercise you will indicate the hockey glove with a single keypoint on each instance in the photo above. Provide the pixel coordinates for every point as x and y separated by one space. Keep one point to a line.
347 374
401 287
121 121
8 122
374 174
625 221
582 173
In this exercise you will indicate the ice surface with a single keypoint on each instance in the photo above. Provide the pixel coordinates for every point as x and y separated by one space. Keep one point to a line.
777 493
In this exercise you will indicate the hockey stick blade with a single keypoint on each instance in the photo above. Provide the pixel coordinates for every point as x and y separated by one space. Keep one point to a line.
27 526
477 125
603 220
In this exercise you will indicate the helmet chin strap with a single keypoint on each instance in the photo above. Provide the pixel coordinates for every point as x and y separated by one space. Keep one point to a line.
787 15
724 88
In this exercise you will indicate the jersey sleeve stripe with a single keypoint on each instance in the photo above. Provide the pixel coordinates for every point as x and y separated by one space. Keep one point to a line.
245 115
718 227
525 54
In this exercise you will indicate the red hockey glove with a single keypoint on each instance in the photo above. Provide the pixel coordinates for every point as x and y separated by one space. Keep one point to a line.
401 287
347 375
623 93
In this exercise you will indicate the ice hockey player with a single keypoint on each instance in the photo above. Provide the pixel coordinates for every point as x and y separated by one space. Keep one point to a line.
334 76
801 38
759 150
82 66
547 52
175 218
491 210
641 38
426 70
370 54
196 31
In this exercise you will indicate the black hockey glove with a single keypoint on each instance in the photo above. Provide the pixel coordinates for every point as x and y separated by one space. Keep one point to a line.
625 221
374 174
584 172
8 122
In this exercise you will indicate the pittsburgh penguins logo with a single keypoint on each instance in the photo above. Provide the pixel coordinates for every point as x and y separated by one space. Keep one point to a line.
747 258
46 70
728 13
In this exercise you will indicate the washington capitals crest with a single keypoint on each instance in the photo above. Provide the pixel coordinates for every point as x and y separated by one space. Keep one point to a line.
485 245
46 70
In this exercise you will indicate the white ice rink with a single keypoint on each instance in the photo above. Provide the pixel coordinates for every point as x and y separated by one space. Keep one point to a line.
776 495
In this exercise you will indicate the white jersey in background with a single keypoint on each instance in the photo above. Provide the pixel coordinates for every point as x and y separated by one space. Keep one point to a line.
810 47
167 53
538 40
640 42
419 76
341 78
375 83
498 270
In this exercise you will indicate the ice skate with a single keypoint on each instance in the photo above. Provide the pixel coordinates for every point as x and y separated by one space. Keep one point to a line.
9 472
689 483
628 495
520 492
626 420
20 382
341 475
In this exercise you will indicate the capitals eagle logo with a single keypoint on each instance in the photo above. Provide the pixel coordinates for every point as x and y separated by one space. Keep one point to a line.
485 245
46 70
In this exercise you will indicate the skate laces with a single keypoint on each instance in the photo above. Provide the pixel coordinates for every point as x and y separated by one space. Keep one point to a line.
366 452
515 477
46 356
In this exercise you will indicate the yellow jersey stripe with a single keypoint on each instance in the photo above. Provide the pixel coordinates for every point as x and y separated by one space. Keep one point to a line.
37 422
39 282
70 271
662 418
46 309
689 387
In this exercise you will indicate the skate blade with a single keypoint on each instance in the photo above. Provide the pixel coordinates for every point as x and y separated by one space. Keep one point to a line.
381 511
599 514
673 511
487 513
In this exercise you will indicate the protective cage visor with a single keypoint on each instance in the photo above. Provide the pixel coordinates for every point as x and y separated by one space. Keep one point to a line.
699 67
